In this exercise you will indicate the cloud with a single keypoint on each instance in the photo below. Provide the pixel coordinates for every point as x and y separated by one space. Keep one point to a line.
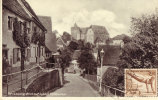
113 14
85 18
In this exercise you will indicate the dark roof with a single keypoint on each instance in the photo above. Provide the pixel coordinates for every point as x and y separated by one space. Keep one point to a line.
111 54
35 18
50 36
50 42
16 8
100 32
99 29
119 37
47 22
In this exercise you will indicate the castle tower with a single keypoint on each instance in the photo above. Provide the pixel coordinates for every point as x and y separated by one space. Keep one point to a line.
75 31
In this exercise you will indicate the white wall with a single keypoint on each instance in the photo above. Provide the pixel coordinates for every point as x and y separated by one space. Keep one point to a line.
90 36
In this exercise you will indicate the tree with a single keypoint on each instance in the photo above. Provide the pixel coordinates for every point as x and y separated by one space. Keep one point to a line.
142 50
126 39
21 38
86 61
66 57
73 46
81 44
114 77
66 37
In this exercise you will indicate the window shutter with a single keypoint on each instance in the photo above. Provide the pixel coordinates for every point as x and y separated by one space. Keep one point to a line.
28 53
35 51
14 55
18 54
9 22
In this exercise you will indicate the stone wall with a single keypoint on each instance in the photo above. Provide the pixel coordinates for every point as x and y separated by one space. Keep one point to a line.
91 77
44 83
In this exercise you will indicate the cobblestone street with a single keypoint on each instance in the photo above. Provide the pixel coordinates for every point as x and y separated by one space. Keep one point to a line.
75 86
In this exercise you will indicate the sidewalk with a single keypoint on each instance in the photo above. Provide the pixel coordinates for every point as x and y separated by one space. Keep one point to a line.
92 84
14 83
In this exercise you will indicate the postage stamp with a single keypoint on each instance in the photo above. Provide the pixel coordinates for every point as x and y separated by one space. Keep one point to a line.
140 82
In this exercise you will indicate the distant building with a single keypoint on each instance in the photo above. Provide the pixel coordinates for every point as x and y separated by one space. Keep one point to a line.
118 40
94 34
21 10
50 37
60 43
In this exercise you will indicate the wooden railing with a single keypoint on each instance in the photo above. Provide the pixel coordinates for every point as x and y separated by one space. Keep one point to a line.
106 90
22 78
111 91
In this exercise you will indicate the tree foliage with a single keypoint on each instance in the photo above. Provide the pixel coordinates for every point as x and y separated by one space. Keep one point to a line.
86 60
65 58
73 46
142 50
20 36
66 36
38 37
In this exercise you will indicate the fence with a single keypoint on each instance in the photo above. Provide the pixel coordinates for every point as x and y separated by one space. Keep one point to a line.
110 91
15 81
106 90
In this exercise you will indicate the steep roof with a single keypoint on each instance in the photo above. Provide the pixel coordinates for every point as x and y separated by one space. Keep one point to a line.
99 29
50 37
50 41
15 7
119 37
35 18
100 33
111 54
47 22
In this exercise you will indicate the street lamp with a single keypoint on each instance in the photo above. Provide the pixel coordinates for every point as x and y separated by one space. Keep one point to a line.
101 69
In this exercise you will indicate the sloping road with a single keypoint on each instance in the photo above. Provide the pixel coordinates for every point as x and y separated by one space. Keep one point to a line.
75 86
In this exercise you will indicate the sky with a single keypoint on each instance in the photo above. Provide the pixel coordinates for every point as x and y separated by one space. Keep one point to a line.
115 15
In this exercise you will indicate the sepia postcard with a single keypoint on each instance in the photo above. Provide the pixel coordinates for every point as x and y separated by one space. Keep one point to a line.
79 48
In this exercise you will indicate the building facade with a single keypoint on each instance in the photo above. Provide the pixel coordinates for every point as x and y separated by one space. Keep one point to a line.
94 34
20 10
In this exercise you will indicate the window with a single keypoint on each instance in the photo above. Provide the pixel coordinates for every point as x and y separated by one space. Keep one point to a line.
16 55
21 27
10 23
35 29
35 52
28 31
28 53
30 25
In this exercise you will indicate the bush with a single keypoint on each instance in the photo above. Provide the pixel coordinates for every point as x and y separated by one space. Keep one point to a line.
114 77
